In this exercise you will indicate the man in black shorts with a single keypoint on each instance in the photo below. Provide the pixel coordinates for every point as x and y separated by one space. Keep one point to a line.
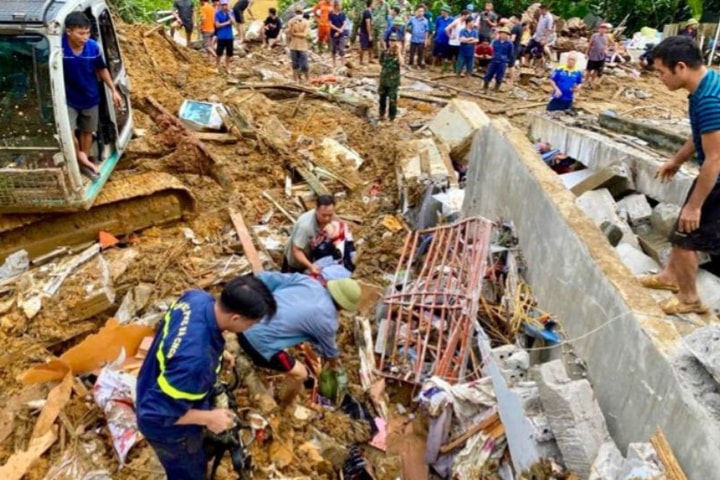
596 52
271 28
224 34
239 13
184 12
680 65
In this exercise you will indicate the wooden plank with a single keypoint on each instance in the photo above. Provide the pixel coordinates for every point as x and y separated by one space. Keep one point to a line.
667 457
246 240
217 166
457 89
314 182
279 207
223 138
424 98
487 424
297 104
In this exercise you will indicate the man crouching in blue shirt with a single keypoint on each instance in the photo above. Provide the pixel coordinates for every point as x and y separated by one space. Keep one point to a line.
82 65
173 390
306 312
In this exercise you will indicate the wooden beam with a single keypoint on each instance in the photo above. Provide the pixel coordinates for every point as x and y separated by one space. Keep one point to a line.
314 182
457 89
222 138
246 240
424 98
279 207
667 457
217 165
486 424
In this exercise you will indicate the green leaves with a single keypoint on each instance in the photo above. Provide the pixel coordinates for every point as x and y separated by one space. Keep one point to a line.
696 8
133 11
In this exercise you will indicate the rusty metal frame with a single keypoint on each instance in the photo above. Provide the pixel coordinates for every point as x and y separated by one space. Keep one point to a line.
438 280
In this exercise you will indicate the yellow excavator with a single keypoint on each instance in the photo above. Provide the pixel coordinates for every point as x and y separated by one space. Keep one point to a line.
45 200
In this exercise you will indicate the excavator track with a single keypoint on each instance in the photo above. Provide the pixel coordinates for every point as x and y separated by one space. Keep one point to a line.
125 205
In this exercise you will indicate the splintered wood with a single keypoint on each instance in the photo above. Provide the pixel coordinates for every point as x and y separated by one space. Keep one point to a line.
667 457
430 316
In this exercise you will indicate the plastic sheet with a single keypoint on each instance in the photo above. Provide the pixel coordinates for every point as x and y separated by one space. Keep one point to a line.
114 392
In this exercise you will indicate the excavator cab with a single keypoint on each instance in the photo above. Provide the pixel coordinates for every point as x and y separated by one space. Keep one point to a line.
39 170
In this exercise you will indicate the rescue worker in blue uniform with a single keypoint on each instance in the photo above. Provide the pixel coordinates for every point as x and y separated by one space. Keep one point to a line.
173 401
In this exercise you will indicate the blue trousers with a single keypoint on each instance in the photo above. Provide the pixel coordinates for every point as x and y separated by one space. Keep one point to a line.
496 69
466 61
556 105
182 458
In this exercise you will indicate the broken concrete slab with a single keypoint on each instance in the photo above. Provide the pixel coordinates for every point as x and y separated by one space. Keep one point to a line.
636 260
642 463
456 123
574 416
663 218
635 209
600 206
708 287
422 162
635 400
339 154
597 151
608 463
655 136
704 344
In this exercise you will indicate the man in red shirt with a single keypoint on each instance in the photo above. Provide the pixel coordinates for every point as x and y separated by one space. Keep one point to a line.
483 53
322 14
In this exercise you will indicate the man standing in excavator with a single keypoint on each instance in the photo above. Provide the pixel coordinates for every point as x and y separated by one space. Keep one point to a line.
174 386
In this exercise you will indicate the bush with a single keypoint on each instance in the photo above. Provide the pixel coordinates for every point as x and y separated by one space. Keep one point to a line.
137 11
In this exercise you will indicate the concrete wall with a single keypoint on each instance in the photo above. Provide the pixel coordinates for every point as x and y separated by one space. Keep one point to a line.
620 332
597 151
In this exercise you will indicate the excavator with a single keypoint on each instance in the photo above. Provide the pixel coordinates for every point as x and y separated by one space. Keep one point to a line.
45 200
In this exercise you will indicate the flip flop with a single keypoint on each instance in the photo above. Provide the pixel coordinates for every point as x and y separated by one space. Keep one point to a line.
654 282
88 172
673 306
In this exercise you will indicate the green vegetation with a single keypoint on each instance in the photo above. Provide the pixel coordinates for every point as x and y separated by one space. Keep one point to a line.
641 13
138 11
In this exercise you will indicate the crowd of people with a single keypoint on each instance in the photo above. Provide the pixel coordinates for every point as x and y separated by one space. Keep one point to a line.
397 36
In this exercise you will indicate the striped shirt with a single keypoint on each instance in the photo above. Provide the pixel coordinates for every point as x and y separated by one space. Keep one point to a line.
705 110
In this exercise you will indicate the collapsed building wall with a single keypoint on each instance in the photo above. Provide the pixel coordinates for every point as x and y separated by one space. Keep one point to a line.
614 325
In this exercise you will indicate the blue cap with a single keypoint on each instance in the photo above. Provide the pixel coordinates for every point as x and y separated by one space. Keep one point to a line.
470 7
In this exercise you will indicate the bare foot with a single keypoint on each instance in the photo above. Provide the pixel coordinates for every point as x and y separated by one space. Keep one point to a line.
85 161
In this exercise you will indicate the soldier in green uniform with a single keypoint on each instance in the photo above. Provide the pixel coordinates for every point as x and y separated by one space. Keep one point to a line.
355 10
389 77
380 13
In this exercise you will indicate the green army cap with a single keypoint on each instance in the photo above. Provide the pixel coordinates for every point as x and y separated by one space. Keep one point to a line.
446 8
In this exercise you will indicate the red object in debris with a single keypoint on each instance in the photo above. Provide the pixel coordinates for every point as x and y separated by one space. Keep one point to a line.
324 79
107 240
435 309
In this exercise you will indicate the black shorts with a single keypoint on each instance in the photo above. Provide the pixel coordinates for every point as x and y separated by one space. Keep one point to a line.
281 361
239 11
441 50
596 65
707 237
535 49
226 46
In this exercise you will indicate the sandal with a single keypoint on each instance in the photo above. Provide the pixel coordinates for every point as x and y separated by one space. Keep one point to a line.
673 306
654 282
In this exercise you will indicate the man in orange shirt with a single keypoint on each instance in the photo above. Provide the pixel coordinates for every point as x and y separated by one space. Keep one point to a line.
322 14
207 26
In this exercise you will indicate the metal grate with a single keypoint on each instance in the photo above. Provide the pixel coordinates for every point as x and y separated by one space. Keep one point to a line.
431 319
32 188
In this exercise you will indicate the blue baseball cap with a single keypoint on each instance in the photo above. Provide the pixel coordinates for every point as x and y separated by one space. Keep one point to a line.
470 7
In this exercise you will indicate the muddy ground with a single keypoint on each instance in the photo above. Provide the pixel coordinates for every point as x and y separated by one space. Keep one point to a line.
166 260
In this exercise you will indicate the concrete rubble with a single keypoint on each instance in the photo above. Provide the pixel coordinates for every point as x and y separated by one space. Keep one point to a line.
449 313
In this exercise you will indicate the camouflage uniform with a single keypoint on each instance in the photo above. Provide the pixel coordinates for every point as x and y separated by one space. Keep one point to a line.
354 11
380 14
389 83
